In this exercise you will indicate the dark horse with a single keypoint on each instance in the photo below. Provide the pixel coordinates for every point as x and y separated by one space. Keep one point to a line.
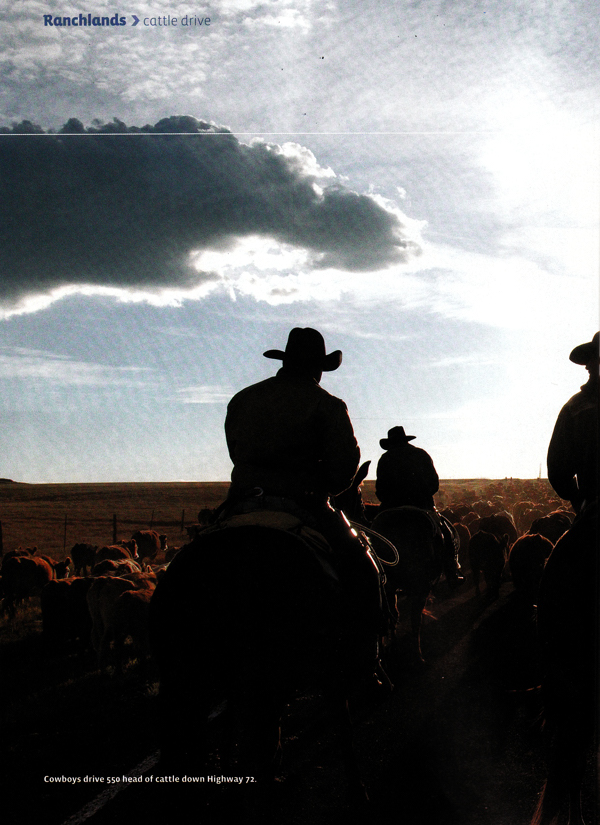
568 634
418 542
251 614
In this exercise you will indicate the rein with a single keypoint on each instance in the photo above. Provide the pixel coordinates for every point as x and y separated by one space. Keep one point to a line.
376 535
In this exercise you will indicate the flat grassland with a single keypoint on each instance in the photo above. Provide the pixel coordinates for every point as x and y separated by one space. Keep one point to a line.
54 517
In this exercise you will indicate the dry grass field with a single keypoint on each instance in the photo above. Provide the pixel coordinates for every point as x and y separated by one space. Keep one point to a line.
53 517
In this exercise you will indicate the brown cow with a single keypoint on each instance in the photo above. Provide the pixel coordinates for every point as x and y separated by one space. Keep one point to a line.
60 568
23 577
107 621
464 536
487 555
19 551
129 618
171 553
552 526
83 555
526 562
117 551
116 567
149 543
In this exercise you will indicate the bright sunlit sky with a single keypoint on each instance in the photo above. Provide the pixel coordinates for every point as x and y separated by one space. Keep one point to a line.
417 180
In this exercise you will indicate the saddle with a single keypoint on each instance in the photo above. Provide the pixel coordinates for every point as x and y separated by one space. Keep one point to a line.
432 516
276 520
276 513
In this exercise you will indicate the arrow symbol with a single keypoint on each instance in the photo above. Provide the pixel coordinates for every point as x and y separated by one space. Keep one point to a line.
136 20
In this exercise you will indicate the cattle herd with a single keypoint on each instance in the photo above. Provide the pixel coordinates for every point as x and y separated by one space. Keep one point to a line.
99 596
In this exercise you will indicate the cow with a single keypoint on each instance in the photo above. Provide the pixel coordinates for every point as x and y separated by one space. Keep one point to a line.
65 614
18 552
23 577
83 555
116 567
487 555
149 543
107 617
520 514
193 529
60 568
206 516
129 618
117 551
526 562
500 524
141 580
171 553
552 526
464 537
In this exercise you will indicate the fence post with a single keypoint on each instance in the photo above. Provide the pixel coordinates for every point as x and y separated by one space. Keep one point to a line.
115 528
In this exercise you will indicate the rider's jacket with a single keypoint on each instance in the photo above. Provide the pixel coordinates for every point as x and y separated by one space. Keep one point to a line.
573 451
406 476
290 437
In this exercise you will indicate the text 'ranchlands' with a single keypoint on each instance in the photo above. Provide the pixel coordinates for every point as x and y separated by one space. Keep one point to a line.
81 20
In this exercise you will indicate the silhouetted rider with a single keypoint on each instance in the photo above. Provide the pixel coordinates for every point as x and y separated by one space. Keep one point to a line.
289 436
293 446
573 452
406 476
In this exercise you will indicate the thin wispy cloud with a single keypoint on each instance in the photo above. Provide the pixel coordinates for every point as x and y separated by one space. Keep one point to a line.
30 364
204 395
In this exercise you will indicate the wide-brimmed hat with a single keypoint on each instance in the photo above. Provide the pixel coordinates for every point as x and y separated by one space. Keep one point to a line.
306 347
396 437
585 353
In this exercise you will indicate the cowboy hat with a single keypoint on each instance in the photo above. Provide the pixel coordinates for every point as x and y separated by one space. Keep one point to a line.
306 346
585 353
396 437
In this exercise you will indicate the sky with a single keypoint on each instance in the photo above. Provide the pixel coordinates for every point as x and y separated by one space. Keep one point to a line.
417 180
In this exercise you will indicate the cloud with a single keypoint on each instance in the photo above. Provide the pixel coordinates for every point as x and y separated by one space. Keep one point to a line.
24 363
204 395
135 208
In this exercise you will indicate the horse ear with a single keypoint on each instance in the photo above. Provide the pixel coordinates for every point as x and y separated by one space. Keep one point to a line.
361 473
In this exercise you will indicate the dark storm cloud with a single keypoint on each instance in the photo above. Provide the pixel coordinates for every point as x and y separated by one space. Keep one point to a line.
118 206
